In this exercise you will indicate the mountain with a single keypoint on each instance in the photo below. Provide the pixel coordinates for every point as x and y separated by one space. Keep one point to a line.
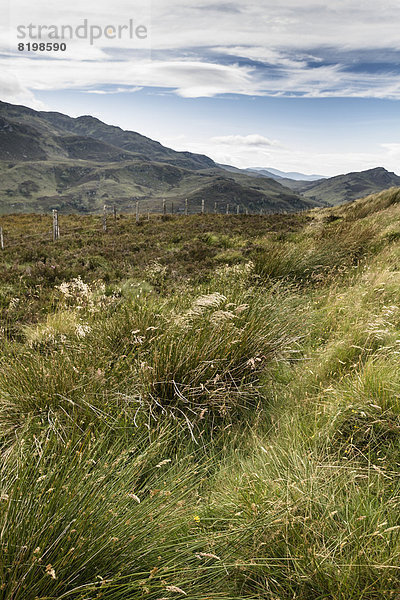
60 136
50 160
276 174
349 187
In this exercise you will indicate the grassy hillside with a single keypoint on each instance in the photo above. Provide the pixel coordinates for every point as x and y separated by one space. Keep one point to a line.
203 407
345 188
50 160
85 186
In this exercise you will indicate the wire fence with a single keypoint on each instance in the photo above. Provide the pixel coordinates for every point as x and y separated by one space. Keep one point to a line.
57 226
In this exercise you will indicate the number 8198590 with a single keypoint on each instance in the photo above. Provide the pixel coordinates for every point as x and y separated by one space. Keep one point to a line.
42 47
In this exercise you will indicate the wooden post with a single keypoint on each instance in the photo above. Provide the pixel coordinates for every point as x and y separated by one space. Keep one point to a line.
55 225
164 207
202 206
237 209
1 239
172 208
105 217
137 211
186 207
227 209
148 215
215 208
115 212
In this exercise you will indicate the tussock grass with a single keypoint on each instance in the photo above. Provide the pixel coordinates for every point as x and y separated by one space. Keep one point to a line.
321 252
101 515
308 527
199 358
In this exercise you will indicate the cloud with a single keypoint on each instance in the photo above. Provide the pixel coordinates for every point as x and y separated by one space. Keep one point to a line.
392 149
195 78
12 90
189 79
205 49
117 90
254 140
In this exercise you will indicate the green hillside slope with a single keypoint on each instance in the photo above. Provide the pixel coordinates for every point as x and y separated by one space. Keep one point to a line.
346 188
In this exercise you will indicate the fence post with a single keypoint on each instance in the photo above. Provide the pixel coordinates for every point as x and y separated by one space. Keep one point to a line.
148 215
105 217
202 206
215 208
186 207
1 239
261 211
227 209
56 230
172 208
115 212
247 211
164 207
237 209
137 211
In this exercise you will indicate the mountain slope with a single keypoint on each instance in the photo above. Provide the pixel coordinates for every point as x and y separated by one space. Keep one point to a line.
349 187
84 186
50 160
50 126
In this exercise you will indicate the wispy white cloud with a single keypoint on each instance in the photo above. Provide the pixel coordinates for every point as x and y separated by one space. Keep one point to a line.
193 79
252 140
203 48
188 79
117 90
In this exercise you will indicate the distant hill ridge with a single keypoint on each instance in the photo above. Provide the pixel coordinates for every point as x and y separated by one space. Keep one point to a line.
348 187
277 174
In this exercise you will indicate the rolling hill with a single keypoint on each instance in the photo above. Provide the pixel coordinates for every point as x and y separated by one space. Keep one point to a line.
346 188
50 160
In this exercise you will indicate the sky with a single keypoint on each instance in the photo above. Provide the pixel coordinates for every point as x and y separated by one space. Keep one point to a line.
293 85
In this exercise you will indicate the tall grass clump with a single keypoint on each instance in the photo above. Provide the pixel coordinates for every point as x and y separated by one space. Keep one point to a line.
102 516
319 253
303 525
182 357
210 356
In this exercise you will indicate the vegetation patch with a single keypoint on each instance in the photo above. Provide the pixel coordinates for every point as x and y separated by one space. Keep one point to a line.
204 407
